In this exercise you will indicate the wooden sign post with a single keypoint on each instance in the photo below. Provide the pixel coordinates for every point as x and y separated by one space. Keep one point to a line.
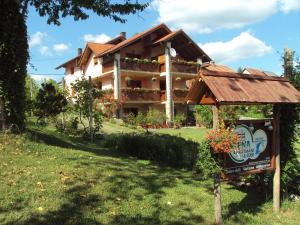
259 144
257 151
276 178
217 179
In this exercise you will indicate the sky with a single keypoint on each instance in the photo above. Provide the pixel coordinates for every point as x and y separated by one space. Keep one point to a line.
236 33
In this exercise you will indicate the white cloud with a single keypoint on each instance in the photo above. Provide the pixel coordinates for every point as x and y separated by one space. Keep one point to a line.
45 51
289 5
241 47
36 39
40 78
60 47
99 38
204 16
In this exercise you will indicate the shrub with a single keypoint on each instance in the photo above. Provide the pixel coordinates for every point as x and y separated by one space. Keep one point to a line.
179 120
166 149
207 164
140 119
203 115
155 117
130 120
49 101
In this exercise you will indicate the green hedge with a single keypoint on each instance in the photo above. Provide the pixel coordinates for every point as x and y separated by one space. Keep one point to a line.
166 149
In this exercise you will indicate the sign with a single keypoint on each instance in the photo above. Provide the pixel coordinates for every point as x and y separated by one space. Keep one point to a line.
254 151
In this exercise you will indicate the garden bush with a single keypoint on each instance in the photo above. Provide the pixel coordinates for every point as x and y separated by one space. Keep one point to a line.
179 120
206 165
165 149
203 116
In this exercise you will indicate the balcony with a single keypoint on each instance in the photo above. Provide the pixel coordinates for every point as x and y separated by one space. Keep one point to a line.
181 67
139 65
140 94
144 65
107 66
178 95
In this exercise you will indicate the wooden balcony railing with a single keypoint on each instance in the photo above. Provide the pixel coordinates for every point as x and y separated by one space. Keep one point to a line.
138 66
145 95
178 67
178 95
139 94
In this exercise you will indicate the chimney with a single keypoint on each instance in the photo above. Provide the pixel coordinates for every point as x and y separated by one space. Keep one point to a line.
79 51
288 62
123 34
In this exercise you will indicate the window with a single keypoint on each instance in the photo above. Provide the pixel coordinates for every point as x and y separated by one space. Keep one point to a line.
95 61
72 70
131 110
134 84
162 85
132 55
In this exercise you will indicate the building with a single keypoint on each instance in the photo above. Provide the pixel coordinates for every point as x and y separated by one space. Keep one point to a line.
153 68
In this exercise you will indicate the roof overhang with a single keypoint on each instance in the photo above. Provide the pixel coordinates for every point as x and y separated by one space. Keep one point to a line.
73 60
184 45
228 88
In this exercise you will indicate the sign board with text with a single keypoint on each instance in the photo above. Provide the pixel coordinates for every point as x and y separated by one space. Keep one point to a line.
254 152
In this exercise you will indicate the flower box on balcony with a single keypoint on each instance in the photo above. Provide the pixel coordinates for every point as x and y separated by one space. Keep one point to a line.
139 65
184 67
140 94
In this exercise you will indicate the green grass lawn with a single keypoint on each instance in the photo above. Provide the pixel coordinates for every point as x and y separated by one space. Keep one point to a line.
192 133
48 178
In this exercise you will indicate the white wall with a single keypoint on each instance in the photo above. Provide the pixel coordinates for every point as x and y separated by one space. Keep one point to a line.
107 83
71 78
91 69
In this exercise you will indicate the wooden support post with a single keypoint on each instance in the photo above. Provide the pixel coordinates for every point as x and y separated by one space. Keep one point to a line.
217 196
216 119
91 109
217 180
276 178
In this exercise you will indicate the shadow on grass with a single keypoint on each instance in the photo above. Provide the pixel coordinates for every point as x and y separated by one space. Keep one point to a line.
122 190
250 204
97 197
71 212
75 143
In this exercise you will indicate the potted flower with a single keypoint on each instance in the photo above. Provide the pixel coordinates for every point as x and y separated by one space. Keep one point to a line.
154 61
222 140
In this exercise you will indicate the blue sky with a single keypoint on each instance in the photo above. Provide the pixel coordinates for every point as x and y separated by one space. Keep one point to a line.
236 33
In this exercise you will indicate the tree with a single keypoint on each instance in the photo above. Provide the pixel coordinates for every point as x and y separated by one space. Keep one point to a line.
13 62
49 102
289 125
31 90
14 46
82 98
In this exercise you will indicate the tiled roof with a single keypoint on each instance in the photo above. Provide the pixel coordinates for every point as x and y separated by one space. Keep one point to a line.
116 40
98 48
135 38
168 37
69 61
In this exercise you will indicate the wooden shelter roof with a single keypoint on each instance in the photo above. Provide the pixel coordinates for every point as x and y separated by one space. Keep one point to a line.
219 87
